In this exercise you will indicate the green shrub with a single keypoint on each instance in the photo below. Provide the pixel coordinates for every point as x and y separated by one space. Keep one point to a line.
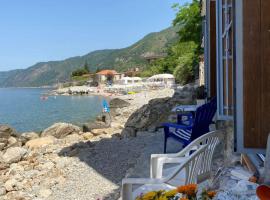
79 72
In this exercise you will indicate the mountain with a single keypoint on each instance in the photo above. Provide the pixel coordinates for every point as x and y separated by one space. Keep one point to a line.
49 73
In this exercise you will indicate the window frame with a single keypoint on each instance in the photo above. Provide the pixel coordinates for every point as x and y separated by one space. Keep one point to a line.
220 59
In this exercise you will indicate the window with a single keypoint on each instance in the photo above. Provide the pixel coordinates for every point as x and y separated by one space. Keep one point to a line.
225 52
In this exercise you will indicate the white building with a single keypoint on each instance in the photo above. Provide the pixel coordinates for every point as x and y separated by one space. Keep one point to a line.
130 80
166 80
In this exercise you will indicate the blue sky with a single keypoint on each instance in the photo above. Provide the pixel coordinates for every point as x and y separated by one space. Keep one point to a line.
42 30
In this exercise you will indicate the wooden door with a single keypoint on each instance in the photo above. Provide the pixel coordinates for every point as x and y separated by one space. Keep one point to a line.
256 72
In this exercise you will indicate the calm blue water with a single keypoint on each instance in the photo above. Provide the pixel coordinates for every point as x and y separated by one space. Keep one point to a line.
24 110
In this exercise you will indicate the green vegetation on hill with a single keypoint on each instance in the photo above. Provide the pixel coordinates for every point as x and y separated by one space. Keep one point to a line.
81 71
183 57
49 73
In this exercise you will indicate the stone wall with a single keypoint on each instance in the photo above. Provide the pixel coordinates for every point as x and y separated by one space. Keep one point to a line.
230 157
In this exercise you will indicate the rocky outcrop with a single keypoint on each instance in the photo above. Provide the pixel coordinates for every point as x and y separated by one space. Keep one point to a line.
14 154
102 121
40 142
118 103
5 133
60 130
151 116
29 135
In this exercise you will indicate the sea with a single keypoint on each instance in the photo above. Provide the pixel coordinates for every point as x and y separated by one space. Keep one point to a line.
27 109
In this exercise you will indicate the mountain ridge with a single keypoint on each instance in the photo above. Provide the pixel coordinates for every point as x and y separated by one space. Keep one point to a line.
51 72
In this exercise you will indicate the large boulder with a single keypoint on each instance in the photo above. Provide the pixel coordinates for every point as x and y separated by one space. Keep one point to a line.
118 103
40 142
14 154
151 116
102 121
5 133
29 136
61 130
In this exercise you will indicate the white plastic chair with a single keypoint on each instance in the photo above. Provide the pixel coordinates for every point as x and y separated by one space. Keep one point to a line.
186 172
212 139
193 165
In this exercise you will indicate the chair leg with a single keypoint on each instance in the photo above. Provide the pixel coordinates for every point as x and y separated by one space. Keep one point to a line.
165 143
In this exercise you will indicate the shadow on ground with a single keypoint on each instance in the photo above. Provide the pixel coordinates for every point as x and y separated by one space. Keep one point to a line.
112 158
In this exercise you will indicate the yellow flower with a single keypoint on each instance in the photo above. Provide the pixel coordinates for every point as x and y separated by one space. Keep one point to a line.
162 198
170 193
149 196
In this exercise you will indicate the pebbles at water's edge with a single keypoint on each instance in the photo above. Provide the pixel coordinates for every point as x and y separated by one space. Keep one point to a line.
66 163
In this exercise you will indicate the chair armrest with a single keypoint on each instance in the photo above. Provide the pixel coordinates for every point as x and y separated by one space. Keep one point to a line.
127 184
153 162
170 155
141 181
178 126
157 165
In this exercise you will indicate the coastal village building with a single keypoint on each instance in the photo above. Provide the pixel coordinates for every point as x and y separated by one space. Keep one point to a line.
130 80
166 80
132 72
237 71
108 76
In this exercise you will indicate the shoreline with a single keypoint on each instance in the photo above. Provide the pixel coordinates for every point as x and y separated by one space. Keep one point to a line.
58 164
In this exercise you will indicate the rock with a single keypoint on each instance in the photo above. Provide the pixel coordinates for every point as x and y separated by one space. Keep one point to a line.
30 174
29 135
87 135
3 166
15 169
118 103
94 125
2 146
117 136
97 132
62 162
129 132
102 121
108 131
73 138
17 195
40 142
11 185
152 115
6 131
45 193
2 191
13 142
117 125
46 166
14 154
60 130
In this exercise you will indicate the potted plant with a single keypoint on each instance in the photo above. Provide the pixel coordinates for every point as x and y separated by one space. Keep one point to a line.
201 95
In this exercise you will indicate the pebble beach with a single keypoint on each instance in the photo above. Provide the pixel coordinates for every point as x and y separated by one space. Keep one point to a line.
65 163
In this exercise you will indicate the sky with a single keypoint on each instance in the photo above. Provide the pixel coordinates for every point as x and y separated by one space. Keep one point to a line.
33 31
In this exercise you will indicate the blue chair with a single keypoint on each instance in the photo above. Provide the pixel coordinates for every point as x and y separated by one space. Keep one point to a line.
194 126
